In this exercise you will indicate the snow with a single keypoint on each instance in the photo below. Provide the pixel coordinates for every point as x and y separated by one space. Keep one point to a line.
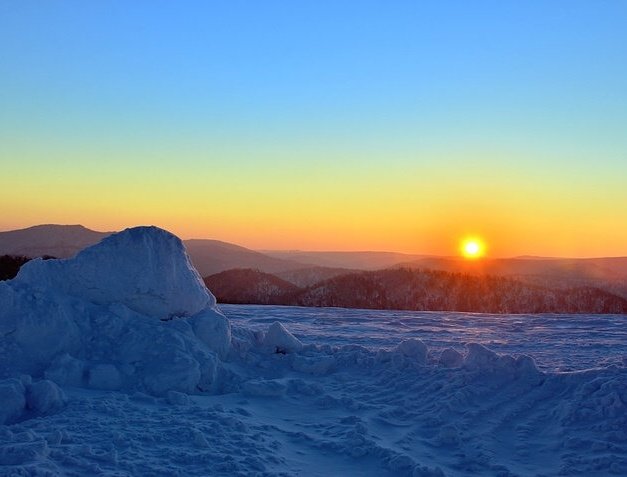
96 377
127 313
451 358
278 340
12 400
413 348
213 329
556 342
20 397
44 397
144 268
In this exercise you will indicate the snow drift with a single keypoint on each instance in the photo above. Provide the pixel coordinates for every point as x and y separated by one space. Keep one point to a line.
127 313
144 268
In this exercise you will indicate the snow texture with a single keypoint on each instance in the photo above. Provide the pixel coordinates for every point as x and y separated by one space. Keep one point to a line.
22 397
127 313
278 340
97 377
144 268
413 348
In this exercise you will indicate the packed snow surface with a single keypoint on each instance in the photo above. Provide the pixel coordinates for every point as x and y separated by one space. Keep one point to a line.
556 342
131 369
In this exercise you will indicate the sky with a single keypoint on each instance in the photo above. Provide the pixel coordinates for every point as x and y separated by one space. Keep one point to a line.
327 125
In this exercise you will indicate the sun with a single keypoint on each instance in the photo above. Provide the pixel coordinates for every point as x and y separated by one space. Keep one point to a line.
472 248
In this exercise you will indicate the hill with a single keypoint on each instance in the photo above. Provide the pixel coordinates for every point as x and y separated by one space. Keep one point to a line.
304 277
606 273
54 240
63 241
422 290
213 256
346 260
250 286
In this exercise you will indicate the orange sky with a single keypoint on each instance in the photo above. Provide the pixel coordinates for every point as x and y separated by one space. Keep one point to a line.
396 210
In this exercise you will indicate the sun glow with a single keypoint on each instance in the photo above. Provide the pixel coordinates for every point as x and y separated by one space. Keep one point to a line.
472 248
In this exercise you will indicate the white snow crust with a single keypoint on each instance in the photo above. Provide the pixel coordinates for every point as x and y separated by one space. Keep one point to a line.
144 268
118 362
127 313
278 340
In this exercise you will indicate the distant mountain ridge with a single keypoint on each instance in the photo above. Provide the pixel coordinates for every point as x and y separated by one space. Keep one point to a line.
54 240
611 268
357 260
243 286
213 256
304 277
407 289
607 273
303 268
208 256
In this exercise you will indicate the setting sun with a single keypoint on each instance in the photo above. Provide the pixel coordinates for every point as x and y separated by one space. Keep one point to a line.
472 248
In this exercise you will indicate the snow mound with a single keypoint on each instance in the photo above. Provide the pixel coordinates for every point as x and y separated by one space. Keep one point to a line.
100 319
279 340
413 348
144 268
44 397
481 359
451 358
213 329
12 400
21 396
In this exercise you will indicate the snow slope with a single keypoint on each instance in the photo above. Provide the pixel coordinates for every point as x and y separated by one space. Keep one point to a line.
97 377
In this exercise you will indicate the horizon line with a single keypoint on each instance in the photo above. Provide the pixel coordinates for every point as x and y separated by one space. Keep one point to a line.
269 250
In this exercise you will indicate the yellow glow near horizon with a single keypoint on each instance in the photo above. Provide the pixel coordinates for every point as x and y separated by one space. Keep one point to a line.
336 208
472 248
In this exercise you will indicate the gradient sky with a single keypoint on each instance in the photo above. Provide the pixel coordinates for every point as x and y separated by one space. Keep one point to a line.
328 125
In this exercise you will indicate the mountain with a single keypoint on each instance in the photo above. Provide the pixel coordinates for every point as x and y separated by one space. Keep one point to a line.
407 289
208 256
60 241
304 277
608 268
250 286
346 260
607 273
213 256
